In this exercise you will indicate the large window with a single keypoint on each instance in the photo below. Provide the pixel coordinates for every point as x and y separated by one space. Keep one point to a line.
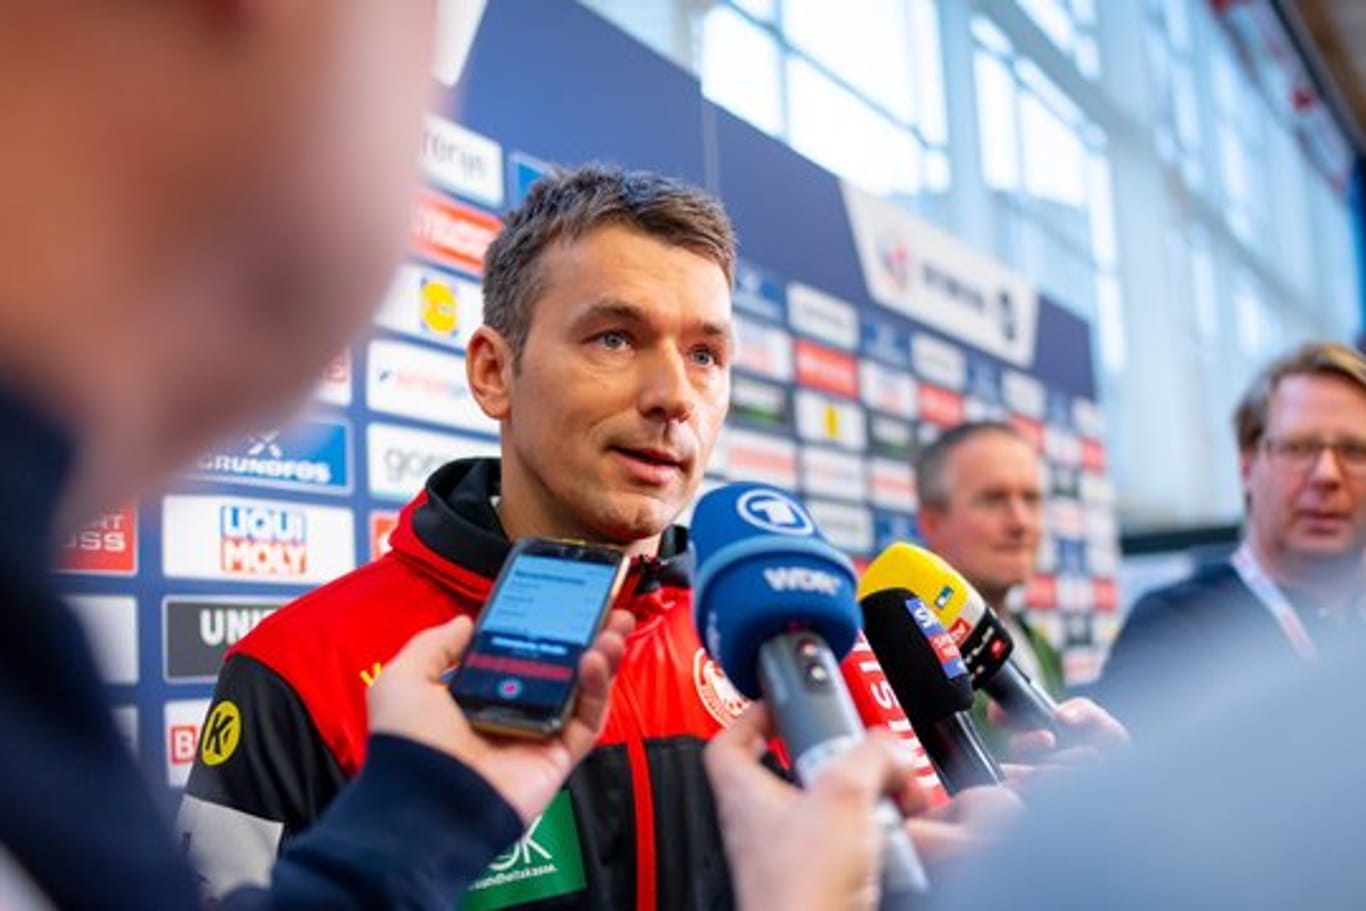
1071 25
857 87
1047 166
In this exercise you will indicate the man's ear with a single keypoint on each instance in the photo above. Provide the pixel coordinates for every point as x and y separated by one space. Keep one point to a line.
928 519
1246 460
489 371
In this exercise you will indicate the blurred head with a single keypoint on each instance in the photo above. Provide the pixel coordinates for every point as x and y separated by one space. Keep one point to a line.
204 201
605 352
1301 431
981 501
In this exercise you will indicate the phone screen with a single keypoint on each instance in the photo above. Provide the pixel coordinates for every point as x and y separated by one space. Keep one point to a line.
530 637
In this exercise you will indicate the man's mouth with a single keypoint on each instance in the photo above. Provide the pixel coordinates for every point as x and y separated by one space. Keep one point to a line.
652 463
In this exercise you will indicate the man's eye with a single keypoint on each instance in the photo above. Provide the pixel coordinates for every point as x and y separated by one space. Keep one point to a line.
613 340
705 357
1299 448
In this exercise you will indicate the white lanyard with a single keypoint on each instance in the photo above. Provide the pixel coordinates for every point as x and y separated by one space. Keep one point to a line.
1266 591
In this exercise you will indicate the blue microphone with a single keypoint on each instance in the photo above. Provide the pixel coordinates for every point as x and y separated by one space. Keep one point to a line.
775 607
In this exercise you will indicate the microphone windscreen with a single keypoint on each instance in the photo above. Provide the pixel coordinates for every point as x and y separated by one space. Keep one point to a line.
764 568
918 656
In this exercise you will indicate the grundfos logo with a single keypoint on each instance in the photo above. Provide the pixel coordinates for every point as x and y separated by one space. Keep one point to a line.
313 455
264 457
801 579
263 541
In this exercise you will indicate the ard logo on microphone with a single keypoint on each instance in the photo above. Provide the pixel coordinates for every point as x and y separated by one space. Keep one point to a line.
768 510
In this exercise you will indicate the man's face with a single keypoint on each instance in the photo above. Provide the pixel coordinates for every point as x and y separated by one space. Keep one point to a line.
989 527
622 386
1317 510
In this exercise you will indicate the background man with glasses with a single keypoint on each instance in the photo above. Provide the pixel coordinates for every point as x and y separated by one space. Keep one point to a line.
1296 586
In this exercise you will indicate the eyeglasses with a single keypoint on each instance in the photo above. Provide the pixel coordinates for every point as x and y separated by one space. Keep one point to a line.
1301 453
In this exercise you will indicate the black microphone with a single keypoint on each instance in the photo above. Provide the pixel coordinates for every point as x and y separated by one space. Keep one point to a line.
775 606
932 684
982 639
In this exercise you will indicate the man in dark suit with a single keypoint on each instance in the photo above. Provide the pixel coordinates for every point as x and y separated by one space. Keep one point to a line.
1296 586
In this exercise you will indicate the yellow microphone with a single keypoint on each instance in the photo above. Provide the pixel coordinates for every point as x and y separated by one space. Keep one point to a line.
982 639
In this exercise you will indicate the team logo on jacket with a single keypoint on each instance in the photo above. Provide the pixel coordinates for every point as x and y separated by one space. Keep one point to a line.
722 700
221 733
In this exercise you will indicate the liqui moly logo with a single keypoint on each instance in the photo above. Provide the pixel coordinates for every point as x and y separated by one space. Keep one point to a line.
249 540
263 541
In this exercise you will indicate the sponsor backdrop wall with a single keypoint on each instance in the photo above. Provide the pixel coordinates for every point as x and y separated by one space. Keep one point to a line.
862 330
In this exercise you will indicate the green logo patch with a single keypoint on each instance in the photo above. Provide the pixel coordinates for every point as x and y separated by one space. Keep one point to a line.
545 862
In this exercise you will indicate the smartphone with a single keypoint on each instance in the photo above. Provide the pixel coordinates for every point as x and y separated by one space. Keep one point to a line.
520 675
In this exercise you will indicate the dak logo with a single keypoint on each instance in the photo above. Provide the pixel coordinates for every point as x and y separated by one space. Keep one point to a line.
221 733
769 510
718 694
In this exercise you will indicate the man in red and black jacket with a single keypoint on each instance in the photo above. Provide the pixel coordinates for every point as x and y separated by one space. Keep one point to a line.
605 358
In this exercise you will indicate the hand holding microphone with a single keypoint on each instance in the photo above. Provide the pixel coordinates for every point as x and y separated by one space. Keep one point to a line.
792 848
775 607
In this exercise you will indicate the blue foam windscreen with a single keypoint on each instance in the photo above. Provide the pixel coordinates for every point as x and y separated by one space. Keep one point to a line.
764 568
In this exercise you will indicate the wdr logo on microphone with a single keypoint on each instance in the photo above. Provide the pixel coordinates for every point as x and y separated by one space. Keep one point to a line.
770 511
801 579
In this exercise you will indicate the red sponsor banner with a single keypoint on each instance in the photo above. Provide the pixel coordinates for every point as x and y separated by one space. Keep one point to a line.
1042 592
826 369
1030 429
107 545
1093 456
451 232
182 740
1105 595
941 406
382 524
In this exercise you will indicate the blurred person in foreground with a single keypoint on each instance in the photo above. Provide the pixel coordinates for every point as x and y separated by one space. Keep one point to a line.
203 200
1295 588
981 509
